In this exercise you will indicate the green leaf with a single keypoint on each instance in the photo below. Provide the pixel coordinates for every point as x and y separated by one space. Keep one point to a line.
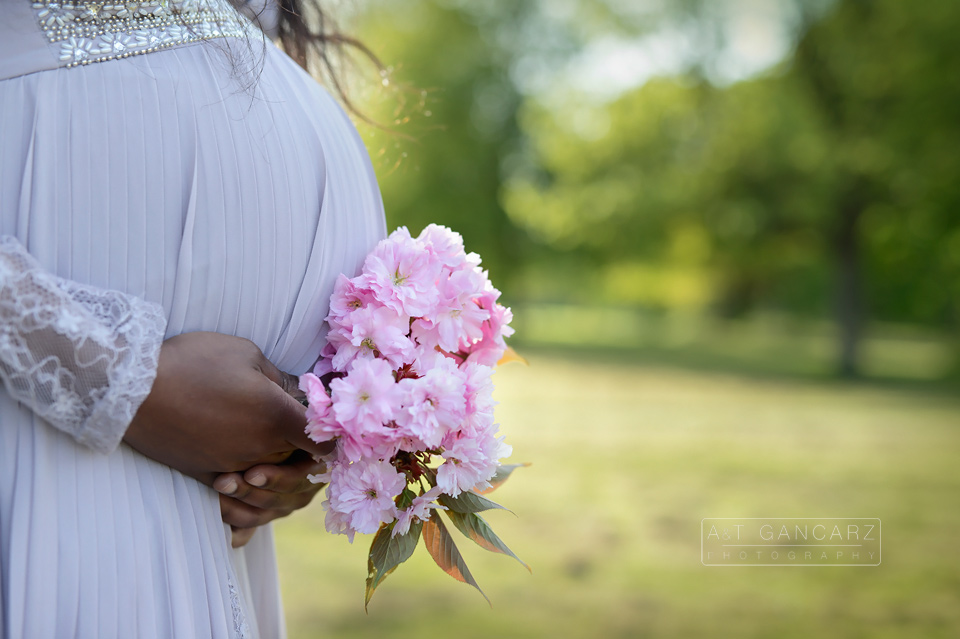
501 476
440 545
387 552
474 527
468 502
405 498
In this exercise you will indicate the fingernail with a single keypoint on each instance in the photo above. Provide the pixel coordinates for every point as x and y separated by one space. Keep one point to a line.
228 488
257 479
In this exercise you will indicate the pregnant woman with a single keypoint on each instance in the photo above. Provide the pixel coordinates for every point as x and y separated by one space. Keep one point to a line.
177 197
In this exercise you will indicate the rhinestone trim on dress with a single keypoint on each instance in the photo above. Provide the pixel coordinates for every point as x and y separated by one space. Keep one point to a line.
97 31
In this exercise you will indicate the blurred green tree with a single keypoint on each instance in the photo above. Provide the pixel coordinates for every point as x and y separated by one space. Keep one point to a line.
830 182
453 115
883 79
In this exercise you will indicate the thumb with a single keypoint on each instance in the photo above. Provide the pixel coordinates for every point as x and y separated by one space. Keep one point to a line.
292 421
290 384
291 413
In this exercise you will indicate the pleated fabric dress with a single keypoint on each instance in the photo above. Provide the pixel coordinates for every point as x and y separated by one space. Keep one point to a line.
209 175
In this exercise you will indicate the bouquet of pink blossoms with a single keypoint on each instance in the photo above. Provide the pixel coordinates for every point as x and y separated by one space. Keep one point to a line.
403 387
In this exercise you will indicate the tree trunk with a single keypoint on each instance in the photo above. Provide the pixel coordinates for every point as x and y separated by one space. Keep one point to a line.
849 284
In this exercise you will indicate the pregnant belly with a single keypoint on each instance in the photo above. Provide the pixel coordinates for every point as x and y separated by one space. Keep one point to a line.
234 207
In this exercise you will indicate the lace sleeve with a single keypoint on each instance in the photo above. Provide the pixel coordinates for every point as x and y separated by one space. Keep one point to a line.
80 357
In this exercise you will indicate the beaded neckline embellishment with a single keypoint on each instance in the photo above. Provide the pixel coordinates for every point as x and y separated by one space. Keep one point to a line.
96 31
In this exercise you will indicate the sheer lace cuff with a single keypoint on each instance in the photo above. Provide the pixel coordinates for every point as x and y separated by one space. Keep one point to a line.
80 357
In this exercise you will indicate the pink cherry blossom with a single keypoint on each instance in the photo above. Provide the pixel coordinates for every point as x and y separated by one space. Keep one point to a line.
338 339
324 477
446 245
419 509
324 365
347 297
402 274
369 332
428 359
382 443
467 464
321 426
458 318
337 522
411 342
500 318
491 347
365 400
365 491
433 405
494 447
316 394
478 396
425 335
482 447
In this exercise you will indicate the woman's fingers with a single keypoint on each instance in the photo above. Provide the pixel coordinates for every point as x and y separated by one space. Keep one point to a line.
290 477
297 491
241 536
290 416
266 492
241 515
218 405
290 384
244 515
291 413
227 483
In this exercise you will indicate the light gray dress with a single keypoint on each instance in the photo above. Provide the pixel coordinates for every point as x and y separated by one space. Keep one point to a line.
159 173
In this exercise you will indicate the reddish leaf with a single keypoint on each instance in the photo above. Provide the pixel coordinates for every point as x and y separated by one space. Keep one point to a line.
475 528
440 545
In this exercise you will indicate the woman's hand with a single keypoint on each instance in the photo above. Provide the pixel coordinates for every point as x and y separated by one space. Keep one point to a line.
266 492
218 406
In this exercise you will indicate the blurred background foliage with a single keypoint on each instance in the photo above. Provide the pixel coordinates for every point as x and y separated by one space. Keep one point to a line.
705 214
721 162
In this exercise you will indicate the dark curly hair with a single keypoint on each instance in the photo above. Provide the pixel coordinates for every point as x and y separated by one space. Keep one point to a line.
310 36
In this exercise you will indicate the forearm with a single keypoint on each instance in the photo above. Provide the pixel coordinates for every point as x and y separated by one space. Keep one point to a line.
82 358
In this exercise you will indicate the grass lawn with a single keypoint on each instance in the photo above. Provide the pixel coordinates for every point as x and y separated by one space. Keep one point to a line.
626 461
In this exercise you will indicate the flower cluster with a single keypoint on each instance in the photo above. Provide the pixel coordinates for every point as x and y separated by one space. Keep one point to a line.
403 386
